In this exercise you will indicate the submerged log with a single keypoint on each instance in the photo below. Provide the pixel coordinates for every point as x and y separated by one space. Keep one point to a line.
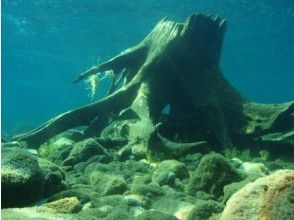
176 65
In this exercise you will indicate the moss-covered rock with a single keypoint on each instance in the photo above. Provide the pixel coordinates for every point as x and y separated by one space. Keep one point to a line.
152 190
84 195
33 213
22 180
155 214
212 174
54 177
168 170
191 160
91 214
56 149
80 167
173 206
204 209
134 200
84 150
66 205
112 207
106 184
165 178
128 169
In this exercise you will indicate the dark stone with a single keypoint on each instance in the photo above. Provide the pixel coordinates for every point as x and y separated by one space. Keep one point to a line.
54 177
22 180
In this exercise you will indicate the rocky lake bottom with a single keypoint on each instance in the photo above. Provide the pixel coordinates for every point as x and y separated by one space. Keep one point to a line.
70 179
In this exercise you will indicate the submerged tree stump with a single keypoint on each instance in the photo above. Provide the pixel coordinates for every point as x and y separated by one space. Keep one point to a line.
176 65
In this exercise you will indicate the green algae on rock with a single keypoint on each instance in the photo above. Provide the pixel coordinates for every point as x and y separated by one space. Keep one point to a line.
84 150
54 177
212 174
22 180
66 205
168 170
155 214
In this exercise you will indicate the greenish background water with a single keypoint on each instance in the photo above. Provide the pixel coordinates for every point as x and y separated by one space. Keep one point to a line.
46 44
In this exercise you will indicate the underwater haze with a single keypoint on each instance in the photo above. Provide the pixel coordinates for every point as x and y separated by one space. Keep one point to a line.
46 44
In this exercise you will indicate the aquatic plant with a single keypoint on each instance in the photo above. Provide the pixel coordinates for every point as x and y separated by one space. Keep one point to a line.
92 85
93 82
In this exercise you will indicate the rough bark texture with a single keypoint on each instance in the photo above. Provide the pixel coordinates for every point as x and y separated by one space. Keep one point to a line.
177 64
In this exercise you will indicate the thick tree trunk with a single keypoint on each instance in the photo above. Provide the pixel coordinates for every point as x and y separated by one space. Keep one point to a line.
177 65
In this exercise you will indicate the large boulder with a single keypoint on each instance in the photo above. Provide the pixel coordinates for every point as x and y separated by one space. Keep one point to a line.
269 197
22 179
212 174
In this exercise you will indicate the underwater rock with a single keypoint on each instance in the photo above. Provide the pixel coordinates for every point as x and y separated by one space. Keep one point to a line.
173 206
84 150
108 207
22 180
155 214
127 169
56 149
54 177
230 189
191 160
80 167
106 184
212 174
178 168
204 209
136 200
91 214
254 169
166 178
40 213
84 195
66 205
269 197
166 172
151 190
